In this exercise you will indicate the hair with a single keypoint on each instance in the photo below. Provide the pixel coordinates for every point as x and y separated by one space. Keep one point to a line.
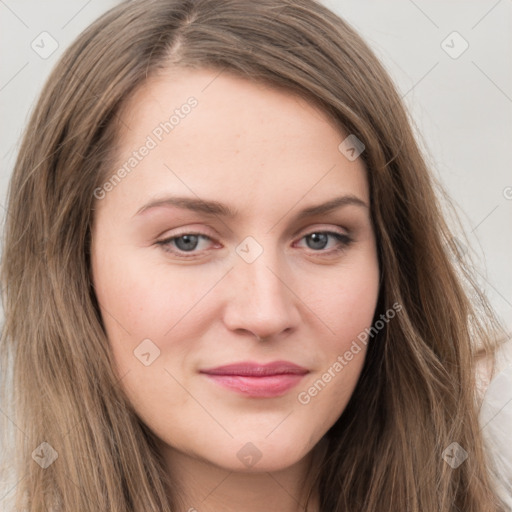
416 393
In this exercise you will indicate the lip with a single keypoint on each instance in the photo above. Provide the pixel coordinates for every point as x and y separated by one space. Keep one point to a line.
257 380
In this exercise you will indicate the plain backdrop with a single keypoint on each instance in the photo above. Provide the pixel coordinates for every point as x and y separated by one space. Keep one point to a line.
451 61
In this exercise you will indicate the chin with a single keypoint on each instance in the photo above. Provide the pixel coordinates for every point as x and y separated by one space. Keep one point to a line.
263 455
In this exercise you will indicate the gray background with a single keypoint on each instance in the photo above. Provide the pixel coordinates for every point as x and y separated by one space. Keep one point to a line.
461 104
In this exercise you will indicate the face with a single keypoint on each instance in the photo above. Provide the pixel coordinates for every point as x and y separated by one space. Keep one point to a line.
235 263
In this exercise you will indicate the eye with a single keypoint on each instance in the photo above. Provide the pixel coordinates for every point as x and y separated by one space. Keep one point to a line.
188 245
319 240
184 243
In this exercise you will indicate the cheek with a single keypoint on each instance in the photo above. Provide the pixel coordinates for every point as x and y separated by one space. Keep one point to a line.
140 299
355 306
347 306
347 301
139 305
327 392
143 301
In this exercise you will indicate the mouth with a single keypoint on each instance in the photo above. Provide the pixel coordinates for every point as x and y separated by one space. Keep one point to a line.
257 380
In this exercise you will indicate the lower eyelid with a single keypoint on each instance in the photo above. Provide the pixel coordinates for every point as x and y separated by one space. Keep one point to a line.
340 237
166 242
343 239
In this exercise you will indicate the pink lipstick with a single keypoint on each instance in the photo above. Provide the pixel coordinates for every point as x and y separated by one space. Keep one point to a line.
256 379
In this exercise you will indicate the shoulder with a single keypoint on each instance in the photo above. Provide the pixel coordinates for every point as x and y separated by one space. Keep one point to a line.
495 384
487 368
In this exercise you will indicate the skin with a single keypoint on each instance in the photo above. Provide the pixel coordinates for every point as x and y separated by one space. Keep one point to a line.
267 154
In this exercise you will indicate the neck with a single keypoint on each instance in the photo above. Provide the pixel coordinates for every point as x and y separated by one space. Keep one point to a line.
205 487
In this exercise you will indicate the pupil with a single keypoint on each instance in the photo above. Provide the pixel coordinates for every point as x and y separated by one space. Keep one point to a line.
189 242
319 240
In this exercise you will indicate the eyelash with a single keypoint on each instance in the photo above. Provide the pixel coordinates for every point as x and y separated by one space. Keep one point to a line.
343 240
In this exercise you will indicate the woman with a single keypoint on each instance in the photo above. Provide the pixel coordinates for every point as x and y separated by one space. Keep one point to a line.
228 284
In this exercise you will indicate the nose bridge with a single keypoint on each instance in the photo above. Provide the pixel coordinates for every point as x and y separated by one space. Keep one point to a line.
261 278
262 300
264 284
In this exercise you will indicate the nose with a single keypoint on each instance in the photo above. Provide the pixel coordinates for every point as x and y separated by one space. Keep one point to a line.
261 298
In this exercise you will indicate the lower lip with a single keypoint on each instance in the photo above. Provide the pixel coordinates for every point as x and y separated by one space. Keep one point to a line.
260 387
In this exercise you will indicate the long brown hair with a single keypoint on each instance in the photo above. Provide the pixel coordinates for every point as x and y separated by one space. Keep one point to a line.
416 394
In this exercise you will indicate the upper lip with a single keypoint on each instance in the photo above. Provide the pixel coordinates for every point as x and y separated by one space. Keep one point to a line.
252 369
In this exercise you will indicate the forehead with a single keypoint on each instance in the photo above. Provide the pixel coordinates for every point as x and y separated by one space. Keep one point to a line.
217 135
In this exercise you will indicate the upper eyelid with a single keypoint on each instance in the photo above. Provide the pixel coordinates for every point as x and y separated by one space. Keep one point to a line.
302 233
317 227
328 231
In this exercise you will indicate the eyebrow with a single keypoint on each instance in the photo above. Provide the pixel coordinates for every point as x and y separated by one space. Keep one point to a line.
219 209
